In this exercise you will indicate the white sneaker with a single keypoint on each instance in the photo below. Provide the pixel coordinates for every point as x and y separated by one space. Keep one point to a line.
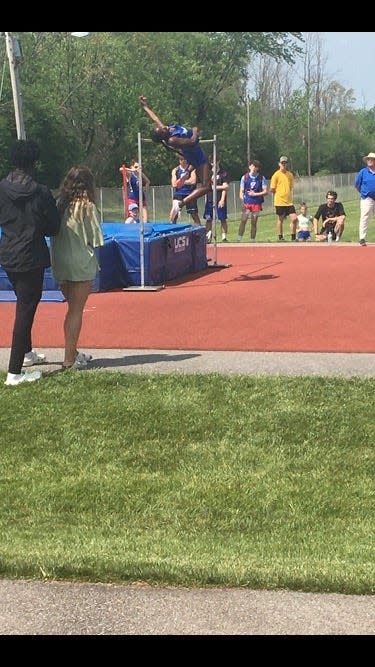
22 377
32 358
81 356
175 212
337 239
79 363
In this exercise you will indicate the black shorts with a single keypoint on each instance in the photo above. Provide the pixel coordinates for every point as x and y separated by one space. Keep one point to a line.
191 206
284 211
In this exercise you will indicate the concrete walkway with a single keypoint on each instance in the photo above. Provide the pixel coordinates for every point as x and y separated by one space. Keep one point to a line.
56 608
198 361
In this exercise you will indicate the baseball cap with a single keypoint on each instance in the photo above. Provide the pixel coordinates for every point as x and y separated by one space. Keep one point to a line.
283 159
132 207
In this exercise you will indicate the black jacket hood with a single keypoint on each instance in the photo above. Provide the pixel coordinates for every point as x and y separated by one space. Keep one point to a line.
18 185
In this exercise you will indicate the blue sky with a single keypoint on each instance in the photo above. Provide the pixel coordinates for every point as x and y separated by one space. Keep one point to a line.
351 62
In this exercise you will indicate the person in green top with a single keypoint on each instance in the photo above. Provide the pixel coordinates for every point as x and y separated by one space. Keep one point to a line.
73 258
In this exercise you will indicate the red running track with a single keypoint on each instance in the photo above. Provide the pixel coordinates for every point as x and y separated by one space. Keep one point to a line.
271 298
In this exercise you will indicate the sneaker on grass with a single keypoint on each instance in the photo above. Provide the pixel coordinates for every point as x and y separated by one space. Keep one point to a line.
13 379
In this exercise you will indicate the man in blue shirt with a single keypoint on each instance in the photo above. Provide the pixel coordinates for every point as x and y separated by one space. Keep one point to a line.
365 184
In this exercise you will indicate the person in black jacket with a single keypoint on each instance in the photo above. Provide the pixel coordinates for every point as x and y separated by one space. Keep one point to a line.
28 213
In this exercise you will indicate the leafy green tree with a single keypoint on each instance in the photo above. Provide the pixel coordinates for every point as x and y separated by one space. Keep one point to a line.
81 96
80 99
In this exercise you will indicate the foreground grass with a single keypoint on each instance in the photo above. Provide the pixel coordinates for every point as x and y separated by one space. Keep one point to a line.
189 480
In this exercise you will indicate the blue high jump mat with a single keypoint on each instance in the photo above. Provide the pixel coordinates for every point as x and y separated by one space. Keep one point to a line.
51 291
47 295
169 251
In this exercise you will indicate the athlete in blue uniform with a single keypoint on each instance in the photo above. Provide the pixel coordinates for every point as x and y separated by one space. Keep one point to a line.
185 142
183 183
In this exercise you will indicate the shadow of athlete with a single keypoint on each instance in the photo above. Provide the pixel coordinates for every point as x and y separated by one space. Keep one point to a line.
185 142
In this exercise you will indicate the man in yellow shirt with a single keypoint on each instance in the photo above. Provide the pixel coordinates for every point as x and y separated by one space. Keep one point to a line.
282 182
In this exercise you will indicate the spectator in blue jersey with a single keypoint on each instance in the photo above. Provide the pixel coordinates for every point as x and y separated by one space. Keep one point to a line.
365 184
183 183
222 187
253 189
132 177
184 141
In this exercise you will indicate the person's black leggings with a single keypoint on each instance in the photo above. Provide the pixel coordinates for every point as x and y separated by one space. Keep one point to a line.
28 288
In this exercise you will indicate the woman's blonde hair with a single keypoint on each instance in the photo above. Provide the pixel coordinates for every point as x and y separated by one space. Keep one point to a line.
77 192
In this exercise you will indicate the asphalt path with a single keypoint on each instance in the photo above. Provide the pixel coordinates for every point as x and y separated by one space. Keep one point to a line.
234 363
59 608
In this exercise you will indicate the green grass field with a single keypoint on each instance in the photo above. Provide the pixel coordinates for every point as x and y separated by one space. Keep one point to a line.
189 480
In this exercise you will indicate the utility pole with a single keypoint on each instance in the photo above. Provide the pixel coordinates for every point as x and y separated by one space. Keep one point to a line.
13 53
308 139
14 56
248 129
308 96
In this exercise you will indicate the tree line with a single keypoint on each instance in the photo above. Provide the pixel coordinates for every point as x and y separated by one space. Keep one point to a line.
80 101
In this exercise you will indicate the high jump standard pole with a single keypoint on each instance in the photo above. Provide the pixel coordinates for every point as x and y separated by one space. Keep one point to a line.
142 287
215 264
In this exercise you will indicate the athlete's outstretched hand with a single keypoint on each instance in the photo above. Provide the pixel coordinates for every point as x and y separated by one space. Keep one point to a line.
143 100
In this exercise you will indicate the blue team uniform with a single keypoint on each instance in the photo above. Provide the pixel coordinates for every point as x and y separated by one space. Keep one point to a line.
185 189
250 184
133 191
194 155
221 212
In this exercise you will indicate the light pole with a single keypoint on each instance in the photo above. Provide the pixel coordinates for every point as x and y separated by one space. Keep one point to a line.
308 90
308 140
13 53
14 56
248 129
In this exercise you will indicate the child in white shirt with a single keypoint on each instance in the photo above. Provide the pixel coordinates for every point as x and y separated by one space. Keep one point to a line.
304 224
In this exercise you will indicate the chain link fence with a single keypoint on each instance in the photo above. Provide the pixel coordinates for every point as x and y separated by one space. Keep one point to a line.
310 189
